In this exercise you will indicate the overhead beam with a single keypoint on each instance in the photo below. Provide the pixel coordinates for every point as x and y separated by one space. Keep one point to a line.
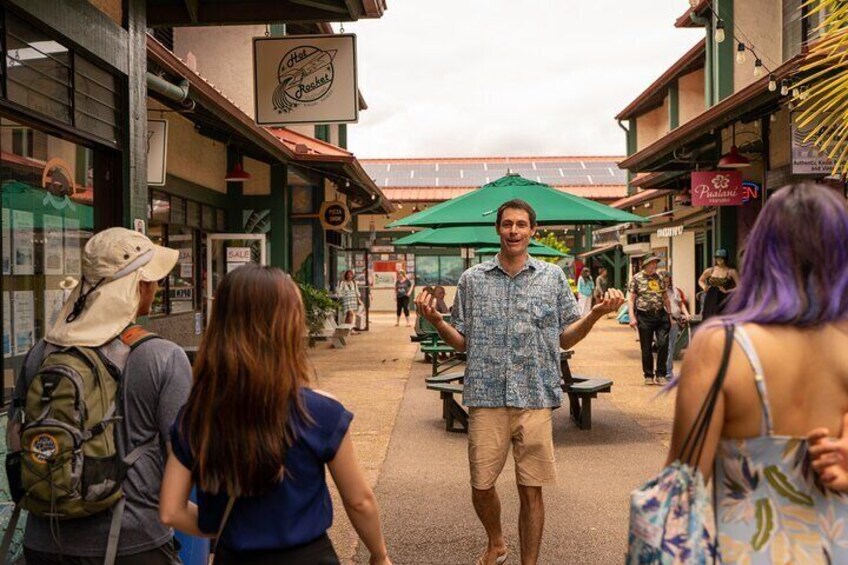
193 9
326 5
242 13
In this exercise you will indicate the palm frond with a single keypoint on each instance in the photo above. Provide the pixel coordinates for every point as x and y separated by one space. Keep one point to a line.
822 100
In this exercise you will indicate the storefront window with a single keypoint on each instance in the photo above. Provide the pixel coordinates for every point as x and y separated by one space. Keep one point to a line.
47 217
438 270
175 223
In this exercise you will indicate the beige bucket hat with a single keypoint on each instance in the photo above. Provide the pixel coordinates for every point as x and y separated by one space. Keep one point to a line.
107 297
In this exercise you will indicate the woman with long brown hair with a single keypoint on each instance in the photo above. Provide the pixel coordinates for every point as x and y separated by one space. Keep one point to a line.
255 439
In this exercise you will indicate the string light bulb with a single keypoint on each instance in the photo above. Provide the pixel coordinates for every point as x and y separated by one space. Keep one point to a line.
740 53
758 68
719 31
693 3
772 85
773 117
784 87
795 92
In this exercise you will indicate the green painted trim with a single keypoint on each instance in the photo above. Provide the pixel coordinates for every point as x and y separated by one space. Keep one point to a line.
279 241
235 220
90 28
343 136
632 145
709 64
277 30
134 119
726 231
322 132
673 106
193 191
725 55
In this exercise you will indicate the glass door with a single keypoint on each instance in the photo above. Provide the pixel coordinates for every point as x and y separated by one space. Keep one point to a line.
228 251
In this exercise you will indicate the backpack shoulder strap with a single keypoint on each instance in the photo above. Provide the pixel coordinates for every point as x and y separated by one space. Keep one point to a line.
134 335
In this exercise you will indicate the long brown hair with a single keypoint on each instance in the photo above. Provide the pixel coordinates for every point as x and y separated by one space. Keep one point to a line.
250 367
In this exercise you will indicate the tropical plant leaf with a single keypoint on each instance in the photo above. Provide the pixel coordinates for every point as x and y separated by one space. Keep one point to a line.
765 524
784 487
822 100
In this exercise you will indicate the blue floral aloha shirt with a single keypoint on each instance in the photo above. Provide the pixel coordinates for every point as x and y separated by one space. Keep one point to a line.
512 327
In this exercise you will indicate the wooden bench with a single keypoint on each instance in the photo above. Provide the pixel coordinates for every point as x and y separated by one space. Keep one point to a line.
452 411
580 394
434 352
457 376
336 333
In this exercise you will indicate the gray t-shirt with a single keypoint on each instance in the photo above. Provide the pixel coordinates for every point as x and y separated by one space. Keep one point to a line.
158 381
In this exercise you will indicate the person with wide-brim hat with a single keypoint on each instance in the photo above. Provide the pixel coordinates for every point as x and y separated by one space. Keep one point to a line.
648 307
120 272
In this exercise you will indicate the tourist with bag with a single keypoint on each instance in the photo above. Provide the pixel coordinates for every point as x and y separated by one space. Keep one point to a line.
257 440
88 429
783 373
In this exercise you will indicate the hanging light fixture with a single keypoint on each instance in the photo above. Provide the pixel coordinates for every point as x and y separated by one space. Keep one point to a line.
772 85
784 87
237 174
758 68
740 53
719 31
733 159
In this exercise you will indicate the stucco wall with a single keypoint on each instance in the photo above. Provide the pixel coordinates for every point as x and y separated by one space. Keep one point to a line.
690 90
762 23
112 8
652 126
683 264
224 56
260 177
178 328
780 150
191 156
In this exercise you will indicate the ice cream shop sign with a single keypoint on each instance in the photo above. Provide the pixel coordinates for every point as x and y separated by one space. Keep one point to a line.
717 188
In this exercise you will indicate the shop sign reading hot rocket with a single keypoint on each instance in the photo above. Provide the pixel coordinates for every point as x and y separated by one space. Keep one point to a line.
717 188
307 79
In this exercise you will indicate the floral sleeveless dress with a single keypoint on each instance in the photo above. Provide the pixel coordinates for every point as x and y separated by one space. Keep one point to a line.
770 505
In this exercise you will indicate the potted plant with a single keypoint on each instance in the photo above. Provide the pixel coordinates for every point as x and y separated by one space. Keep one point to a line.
318 306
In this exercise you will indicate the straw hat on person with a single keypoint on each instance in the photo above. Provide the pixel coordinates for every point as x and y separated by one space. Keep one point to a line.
107 298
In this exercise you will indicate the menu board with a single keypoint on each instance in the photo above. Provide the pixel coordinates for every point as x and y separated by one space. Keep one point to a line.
24 312
54 262
23 242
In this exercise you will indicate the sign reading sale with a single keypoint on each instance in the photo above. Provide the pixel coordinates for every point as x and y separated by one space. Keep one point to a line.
717 188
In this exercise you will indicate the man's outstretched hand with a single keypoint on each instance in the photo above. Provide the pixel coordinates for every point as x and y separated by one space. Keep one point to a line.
425 304
612 301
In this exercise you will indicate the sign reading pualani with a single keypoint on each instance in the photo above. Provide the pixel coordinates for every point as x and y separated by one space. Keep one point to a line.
305 79
717 188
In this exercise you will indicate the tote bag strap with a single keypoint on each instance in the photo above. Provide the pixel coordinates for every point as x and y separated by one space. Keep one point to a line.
693 446
223 525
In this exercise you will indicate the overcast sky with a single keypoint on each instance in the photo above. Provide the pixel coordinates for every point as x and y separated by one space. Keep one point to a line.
452 78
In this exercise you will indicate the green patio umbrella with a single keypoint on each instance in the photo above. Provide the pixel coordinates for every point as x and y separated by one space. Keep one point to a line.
553 207
462 236
535 250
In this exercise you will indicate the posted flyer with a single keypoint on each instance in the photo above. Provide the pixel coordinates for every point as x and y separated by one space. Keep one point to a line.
54 262
24 311
23 242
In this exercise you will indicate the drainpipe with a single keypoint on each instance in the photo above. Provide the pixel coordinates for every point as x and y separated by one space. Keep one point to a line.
370 208
627 150
171 91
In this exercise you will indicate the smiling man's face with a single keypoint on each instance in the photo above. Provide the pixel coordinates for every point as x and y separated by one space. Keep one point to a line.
515 232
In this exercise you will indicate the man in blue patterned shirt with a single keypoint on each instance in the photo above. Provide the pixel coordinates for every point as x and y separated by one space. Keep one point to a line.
511 316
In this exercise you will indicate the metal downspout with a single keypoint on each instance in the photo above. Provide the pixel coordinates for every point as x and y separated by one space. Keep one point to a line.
176 92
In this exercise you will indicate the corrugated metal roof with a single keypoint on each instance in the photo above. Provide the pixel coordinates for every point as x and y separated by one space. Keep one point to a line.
438 194
475 172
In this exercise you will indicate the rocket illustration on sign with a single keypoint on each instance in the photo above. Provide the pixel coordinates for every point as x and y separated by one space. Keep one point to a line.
305 76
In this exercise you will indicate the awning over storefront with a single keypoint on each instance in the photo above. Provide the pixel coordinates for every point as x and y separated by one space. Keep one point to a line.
218 117
174 13
598 251
672 152
639 198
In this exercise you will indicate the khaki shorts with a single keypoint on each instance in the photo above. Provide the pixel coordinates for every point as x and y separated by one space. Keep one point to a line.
490 433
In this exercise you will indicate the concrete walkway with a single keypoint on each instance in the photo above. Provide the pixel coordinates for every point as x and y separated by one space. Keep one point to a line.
421 471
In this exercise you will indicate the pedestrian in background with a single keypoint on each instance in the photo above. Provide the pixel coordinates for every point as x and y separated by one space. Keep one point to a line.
403 290
647 307
257 440
439 294
787 374
349 293
511 316
717 282
679 314
585 291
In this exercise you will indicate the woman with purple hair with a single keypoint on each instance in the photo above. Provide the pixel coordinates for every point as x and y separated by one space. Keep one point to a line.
787 373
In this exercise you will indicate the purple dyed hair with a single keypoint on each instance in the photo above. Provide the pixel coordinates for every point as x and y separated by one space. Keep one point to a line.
795 268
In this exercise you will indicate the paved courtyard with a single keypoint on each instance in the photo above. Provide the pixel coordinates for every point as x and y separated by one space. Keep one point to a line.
420 471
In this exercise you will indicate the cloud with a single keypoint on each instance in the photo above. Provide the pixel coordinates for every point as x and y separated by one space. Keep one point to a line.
498 77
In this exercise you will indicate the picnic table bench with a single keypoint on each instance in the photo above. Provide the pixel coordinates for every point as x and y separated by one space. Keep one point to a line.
580 393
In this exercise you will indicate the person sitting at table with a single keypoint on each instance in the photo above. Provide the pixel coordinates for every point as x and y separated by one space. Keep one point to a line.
439 294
